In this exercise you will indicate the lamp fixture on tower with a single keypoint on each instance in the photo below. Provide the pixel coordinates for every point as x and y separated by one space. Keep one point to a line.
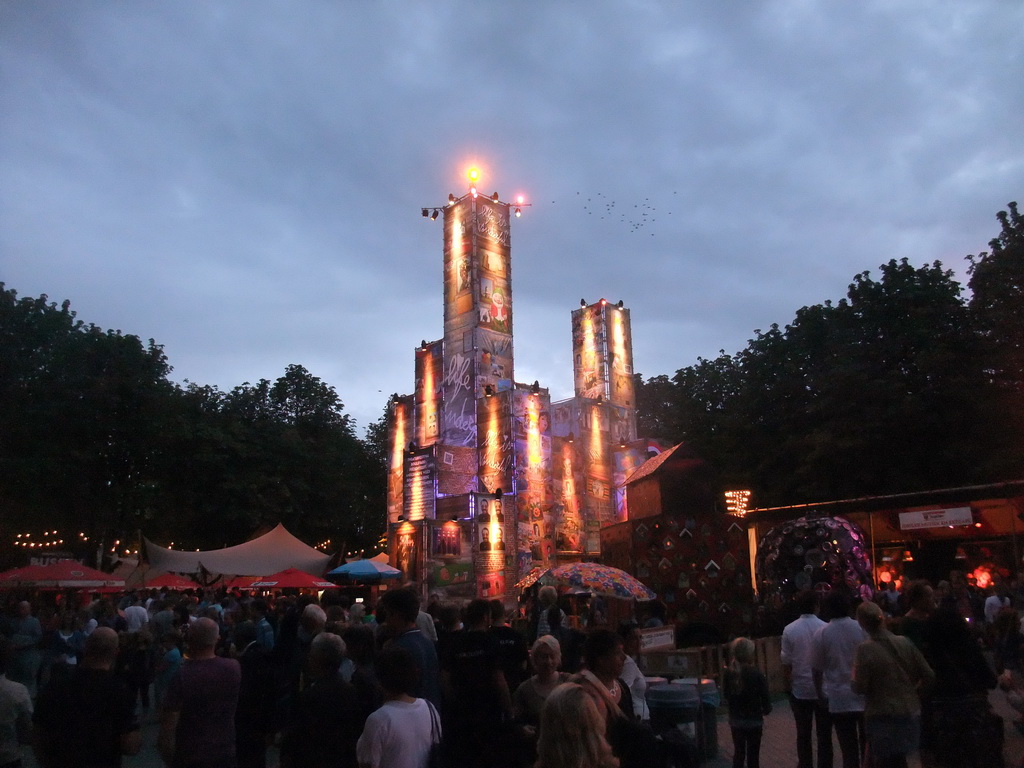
473 175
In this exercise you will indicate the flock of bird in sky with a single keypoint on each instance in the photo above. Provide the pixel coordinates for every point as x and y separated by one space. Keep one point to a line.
637 218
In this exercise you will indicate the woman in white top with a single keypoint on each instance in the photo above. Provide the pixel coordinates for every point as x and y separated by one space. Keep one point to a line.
401 733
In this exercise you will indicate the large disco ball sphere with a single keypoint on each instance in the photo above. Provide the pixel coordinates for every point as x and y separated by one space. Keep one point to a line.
820 553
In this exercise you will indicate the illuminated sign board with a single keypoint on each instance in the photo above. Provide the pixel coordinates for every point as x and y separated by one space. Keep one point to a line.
936 518
419 484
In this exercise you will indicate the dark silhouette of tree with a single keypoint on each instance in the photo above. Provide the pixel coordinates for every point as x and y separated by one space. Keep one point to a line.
876 394
94 439
80 419
997 307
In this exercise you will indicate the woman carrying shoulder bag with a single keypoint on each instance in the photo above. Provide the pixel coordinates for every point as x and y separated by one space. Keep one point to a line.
889 672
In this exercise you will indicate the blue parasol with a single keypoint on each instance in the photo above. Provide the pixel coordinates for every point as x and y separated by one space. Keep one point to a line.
366 570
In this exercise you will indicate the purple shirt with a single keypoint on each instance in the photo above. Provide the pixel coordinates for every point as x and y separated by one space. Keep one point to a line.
205 693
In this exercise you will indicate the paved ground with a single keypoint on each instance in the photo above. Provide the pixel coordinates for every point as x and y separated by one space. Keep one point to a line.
778 745
778 748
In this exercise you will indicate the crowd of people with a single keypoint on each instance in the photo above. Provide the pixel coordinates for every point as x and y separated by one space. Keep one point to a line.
333 684
910 670
330 683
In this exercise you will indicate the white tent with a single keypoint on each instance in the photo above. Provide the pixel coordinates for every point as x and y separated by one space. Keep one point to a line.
274 551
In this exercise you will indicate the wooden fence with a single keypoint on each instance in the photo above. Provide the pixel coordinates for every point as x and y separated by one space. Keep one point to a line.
710 661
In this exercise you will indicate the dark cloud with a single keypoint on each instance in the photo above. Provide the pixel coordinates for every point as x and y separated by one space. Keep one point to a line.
242 181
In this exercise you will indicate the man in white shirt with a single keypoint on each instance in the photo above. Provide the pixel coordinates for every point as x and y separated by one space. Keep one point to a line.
135 615
994 603
808 709
835 646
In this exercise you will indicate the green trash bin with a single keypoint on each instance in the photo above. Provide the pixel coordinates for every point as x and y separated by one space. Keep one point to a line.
707 721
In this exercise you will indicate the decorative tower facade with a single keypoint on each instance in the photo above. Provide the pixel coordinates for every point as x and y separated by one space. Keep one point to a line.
595 432
451 503
486 478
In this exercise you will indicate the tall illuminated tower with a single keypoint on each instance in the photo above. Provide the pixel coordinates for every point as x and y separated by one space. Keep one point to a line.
487 478
596 446
452 460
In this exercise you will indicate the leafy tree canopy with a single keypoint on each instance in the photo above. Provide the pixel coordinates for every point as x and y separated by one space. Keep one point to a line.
902 385
95 440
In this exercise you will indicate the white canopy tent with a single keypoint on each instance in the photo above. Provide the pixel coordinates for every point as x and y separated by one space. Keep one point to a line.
274 551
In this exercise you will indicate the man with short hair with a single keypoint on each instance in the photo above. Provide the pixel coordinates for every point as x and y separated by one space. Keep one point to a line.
255 716
162 620
808 709
402 730
478 695
87 717
513 653
197 728
324 726
401 607
835 647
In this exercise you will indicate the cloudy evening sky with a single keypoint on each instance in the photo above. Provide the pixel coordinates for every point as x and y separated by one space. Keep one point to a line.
242 181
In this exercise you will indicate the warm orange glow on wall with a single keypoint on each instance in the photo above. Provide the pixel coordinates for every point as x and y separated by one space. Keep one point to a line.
401 440
458 264
618 336
427 426
589 350
398 449
534 450
570 499
415 497
492 437
596 439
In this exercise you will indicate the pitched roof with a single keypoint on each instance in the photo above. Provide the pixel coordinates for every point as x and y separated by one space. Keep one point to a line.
274 551
652 465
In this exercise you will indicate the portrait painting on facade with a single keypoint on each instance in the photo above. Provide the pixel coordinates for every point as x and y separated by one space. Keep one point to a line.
406 557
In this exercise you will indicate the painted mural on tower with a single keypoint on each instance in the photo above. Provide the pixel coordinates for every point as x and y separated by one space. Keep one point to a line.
487 477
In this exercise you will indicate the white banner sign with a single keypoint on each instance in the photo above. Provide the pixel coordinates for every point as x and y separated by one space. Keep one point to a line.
657 638
936 518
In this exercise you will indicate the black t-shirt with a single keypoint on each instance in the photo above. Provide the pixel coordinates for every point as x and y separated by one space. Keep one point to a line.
747 694
85 714
471 658
324 726
512 654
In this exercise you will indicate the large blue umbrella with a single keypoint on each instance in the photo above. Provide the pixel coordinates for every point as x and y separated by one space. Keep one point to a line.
366 570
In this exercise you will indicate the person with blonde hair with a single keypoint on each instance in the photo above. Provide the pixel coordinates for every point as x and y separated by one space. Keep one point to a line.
572 732
890 672
746 691
528 699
